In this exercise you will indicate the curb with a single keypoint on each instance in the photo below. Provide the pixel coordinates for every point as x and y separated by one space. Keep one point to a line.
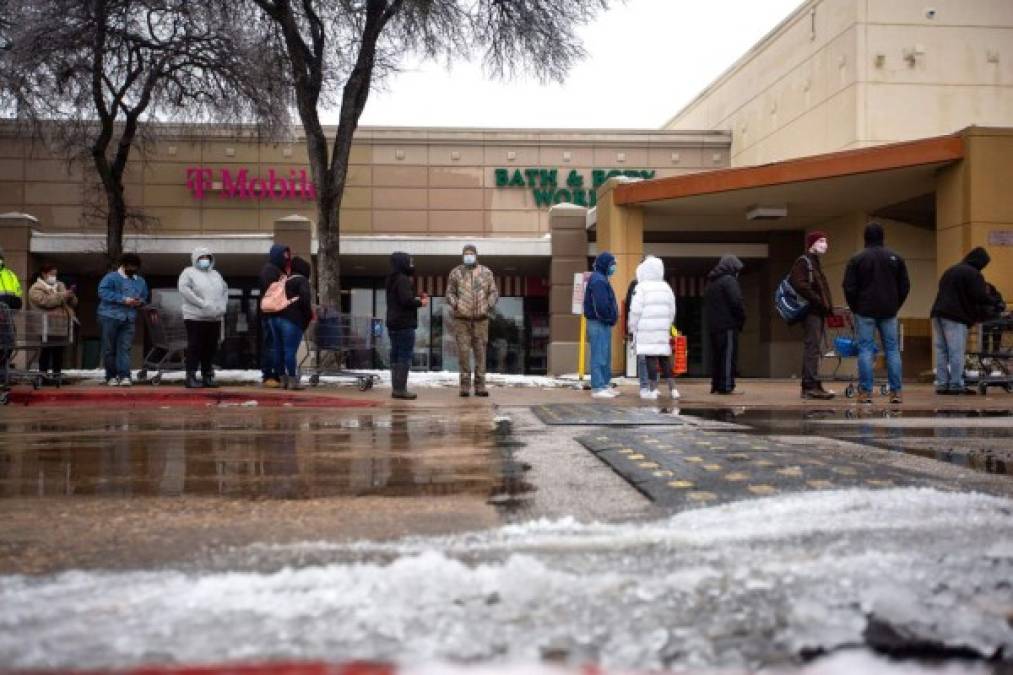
150 398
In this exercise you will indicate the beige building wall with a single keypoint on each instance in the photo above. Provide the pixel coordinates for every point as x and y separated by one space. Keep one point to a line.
401 181
841 74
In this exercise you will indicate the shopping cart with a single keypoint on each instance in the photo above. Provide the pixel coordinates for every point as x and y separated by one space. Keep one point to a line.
28 332
167 333
332 339
990 355
841 342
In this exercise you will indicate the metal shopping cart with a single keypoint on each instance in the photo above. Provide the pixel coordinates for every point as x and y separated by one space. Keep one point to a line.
841 342
28 332
167 333
332 339
989 359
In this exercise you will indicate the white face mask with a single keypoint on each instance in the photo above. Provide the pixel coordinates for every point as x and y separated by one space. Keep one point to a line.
820 247
51 280
469 259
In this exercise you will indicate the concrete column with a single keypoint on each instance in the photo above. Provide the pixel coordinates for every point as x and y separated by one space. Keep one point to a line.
620 231
15 240
296 232
782 345
567 223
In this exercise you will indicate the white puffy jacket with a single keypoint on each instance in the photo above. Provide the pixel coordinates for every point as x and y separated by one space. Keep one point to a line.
652 310
205 294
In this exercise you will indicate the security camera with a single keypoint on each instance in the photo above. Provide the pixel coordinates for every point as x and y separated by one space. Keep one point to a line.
930 13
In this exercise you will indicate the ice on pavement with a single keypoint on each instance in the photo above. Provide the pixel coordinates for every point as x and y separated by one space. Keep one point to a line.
752 583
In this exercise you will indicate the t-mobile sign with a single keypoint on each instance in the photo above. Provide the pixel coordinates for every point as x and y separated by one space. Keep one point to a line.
238 184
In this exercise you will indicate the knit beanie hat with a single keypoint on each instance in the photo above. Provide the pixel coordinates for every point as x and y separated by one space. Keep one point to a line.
814 237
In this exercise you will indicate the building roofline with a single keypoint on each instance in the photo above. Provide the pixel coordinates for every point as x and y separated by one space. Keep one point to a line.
932 150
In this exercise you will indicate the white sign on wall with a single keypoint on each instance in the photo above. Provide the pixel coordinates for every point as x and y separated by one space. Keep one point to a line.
580 280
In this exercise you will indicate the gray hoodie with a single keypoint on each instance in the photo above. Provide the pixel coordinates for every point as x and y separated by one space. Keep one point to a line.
205 294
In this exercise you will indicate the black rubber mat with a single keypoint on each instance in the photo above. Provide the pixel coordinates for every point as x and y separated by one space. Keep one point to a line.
584 414
680 468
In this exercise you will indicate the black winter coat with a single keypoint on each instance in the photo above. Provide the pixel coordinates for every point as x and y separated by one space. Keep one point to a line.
297 285
402 303
876 283
963 295
722 299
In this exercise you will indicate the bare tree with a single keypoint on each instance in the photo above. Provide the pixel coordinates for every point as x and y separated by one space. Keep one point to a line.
336 49
92 75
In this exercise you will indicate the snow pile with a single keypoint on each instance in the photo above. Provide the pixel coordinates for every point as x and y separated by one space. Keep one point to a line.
416 379
740 585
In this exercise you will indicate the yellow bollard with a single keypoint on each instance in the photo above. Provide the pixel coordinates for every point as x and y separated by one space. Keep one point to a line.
581 349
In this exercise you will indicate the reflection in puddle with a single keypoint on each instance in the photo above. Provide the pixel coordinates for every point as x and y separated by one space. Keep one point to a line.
258 454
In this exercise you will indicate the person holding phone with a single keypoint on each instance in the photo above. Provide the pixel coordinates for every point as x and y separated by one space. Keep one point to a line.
120 293
50 295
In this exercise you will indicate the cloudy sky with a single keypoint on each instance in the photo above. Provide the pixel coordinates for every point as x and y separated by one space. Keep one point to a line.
657 55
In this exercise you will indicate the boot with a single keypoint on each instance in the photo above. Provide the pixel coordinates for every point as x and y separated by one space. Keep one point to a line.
208 380
817 394
191 381
399 381
465 386
295 383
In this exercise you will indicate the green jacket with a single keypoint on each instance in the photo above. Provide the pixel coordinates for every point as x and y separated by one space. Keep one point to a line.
10 288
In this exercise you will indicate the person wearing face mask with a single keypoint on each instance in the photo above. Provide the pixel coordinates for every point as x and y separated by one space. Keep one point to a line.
601 311
51 296
402 320
279 264
472 296
809 281
205 298
120 293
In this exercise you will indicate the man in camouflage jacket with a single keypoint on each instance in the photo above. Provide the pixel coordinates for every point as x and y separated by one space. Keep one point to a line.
472 296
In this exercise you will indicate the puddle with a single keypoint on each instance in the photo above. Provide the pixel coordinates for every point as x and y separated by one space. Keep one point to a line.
258 454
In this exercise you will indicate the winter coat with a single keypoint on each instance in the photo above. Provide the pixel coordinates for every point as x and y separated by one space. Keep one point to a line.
205 293
471 292
298 285
114 289
963 295
599 298
274 267
652 310
402 303
812 285
876 283
10 287
56 302
628 302
722 299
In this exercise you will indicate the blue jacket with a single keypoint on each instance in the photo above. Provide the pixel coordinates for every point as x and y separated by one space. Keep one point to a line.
599 298
114 289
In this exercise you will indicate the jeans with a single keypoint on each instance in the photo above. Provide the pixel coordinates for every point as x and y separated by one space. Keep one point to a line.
866 328
402 346
599 335
201 345
950 339
287 336
642 371
658 368
117 341
268 358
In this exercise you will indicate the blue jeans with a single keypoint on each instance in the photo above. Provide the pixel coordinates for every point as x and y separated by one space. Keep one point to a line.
287 336
117 341
950 339
866 328
269 363
599 335
642 371
402 346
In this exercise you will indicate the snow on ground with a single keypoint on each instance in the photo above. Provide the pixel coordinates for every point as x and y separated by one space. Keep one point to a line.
416 379
747 584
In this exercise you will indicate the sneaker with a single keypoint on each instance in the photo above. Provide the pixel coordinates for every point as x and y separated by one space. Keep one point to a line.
113 382
124 382
673 393
602 393
865 397
271 383
647 394
896 397
817 394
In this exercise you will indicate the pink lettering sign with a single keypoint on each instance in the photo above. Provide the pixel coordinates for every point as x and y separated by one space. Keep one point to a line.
236 183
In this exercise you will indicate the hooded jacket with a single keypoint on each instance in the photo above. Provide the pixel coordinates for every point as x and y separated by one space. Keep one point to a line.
876 283
10 286
722 299
274 267
298 286
652 310
599 298
402 303
205 294
963 295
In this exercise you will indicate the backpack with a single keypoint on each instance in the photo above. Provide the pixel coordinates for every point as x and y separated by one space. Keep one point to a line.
789 304
274 299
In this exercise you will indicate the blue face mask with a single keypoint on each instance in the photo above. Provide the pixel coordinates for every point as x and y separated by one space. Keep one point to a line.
204 264
612 270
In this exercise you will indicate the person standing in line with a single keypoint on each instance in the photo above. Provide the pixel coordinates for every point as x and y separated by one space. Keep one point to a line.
472 296
120 293
289 325
402 320
876 284
50 295
726 315
205 299
961 301
809 281
10 286
279 263
601 311
640 359
652 313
